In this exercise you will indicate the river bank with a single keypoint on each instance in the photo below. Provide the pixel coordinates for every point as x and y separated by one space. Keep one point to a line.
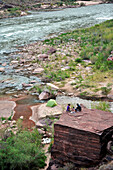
58 61
12 10
65 62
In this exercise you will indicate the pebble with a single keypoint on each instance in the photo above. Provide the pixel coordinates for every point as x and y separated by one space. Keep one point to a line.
2 69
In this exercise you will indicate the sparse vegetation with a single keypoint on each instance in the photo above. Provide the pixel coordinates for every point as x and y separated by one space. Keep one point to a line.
101 106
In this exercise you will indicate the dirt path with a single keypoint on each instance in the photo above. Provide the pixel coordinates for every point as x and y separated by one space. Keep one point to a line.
26 112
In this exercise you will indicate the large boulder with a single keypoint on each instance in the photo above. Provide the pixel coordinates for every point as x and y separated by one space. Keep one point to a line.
82 138
42 111
44 95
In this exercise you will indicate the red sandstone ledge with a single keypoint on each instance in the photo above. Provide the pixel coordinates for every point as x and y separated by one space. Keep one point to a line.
92 120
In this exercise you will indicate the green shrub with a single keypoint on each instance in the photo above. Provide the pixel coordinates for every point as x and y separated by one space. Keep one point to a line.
101 106
37 6
82 4
49 148
13 9
106 90
3 118
22 151
93 59
78 60
59 3
10 117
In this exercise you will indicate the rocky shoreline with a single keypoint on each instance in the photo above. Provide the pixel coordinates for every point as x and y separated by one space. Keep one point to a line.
34 60
12 10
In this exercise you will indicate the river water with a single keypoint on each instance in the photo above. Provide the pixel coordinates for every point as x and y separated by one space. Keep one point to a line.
38 25
24 30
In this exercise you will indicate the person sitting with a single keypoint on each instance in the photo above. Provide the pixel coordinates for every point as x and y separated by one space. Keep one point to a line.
78 108
68 108
73 110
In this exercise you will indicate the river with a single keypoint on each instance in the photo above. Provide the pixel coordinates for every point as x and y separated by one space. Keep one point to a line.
24 30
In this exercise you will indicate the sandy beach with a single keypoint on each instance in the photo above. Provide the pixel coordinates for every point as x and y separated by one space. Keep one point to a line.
87 3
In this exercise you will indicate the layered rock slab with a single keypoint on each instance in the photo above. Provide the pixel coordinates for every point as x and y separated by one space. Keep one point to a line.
42 111
82 138
7 108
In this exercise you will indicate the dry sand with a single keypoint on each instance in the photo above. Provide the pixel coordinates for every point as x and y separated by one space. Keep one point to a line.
87 3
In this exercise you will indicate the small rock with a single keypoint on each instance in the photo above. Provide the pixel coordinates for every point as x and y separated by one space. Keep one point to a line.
46 140
33 81
39 125
70 94
21 117
14 62
65 68
2 69
38 70
4 64
14 122
27 85
51 50
42 57
16 96
52 86
23 13
4 121
41 131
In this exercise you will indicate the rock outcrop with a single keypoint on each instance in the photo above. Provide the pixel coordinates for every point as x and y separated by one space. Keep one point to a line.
82 138
7 108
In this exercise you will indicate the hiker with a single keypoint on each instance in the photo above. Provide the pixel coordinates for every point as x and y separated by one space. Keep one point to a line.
68 108
73 110
78 108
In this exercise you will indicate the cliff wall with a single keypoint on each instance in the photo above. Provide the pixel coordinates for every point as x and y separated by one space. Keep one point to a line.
82 138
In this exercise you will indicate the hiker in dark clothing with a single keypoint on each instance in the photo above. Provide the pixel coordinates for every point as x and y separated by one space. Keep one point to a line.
78 108
68 108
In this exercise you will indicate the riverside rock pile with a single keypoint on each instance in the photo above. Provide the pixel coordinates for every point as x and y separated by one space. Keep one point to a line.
82 138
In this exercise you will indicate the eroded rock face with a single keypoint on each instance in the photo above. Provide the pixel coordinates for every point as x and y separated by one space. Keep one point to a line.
82 138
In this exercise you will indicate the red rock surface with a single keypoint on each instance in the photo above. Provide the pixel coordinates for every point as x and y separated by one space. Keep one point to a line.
82 138
92 120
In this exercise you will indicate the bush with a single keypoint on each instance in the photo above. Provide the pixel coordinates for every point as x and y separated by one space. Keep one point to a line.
93 59
59 3
106 90
13 9
3 118
78 60
101 106
82 4
37 6
22 152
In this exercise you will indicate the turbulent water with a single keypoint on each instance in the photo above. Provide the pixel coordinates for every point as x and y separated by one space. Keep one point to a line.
39 25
